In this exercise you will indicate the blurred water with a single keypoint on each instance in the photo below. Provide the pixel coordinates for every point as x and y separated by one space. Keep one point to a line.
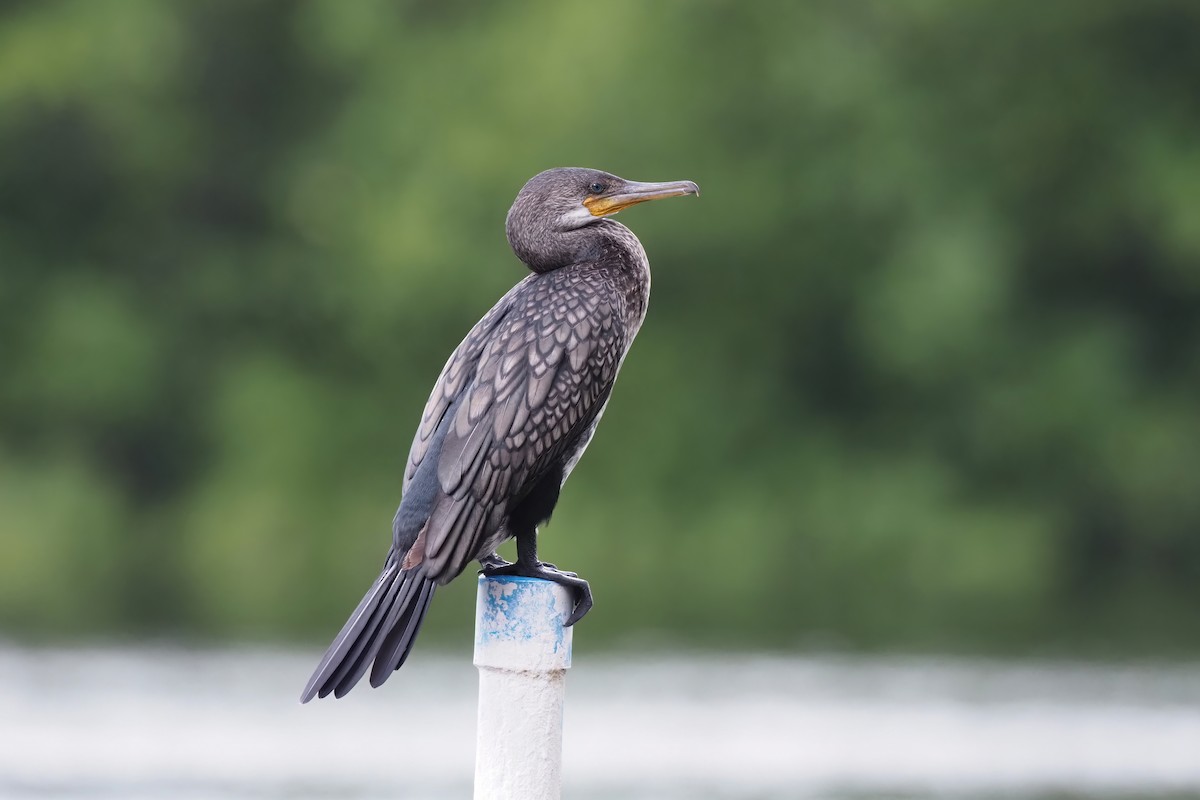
153 722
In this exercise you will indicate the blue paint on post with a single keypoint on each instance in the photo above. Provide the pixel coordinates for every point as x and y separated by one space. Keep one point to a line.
521 619
523 652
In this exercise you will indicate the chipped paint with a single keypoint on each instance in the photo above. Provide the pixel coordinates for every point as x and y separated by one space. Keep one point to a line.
522 651
522 619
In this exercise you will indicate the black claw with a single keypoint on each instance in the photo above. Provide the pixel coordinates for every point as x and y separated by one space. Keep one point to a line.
488 564
548 565
583 604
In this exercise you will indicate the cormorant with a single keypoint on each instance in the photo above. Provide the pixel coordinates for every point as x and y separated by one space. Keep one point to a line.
512 412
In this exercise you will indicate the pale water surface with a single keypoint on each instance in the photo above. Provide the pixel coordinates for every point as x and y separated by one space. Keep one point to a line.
157 722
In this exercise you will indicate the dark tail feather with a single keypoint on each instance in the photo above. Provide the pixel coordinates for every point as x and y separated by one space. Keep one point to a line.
399 640
355 660
390 612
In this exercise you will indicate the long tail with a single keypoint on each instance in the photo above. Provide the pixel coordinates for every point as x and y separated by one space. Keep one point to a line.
381 630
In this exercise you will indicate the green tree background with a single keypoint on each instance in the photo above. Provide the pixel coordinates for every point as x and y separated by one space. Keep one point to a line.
921 368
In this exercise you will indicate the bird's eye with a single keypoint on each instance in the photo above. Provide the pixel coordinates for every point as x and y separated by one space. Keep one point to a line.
597 188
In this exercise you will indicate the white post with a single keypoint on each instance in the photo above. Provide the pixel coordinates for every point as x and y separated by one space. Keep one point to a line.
522 651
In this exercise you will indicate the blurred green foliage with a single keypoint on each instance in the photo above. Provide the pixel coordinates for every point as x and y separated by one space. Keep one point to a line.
921 368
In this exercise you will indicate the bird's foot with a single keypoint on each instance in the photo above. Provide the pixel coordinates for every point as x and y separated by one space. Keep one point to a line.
492 562
547 572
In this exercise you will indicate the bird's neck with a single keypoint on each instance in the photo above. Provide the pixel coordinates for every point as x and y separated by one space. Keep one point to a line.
547 250
606 246
619 253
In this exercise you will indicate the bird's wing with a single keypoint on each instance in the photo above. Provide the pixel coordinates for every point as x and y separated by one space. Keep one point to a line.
456 374
541 376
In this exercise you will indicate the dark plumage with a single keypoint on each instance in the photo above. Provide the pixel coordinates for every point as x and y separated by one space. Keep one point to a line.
510 415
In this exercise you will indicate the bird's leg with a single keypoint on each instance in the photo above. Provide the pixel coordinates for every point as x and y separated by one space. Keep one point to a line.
492 562
528 566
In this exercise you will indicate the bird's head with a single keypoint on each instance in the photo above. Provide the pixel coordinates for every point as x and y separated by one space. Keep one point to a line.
549 222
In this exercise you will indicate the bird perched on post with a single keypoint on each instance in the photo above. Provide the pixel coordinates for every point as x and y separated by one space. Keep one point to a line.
510 415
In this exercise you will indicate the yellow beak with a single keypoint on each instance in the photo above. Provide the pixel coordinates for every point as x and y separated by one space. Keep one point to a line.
632 193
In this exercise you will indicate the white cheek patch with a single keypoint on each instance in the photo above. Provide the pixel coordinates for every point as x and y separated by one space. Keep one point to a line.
577 217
